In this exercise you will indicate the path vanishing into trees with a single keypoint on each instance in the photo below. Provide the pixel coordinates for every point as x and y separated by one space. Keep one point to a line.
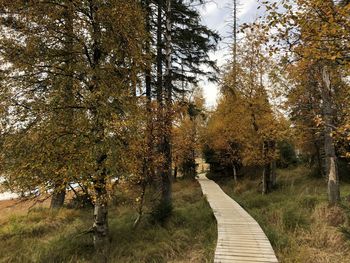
240 238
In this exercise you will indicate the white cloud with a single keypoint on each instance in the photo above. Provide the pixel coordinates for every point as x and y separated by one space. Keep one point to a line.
211 94
247 7
209 9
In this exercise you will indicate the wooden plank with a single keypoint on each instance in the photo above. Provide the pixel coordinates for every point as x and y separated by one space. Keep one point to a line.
240 238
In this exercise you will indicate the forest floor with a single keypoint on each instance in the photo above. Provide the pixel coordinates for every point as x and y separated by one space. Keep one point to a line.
45 236
296 216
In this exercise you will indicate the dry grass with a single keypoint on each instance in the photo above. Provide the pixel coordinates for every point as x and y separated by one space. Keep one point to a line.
46 236
296 217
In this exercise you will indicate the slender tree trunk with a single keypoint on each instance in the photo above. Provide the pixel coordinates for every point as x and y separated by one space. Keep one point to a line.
167 172
266 176
58 197
234 49
142 201
148 75
266 185
273 178
149 154
160 109
100 223
159 56
66 99
266 180
331 158
319 158
234 173
273 174
175 171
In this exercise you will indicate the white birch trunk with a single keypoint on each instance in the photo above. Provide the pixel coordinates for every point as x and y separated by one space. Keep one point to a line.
331 159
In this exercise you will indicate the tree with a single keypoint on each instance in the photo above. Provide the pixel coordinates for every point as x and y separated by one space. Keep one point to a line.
41 55
244 126
189 124
107 56
179 55
317 43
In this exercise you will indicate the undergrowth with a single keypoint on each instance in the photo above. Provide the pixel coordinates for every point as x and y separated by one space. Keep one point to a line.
296 216
45 236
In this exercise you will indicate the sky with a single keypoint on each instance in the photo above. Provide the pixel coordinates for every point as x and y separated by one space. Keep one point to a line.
217 15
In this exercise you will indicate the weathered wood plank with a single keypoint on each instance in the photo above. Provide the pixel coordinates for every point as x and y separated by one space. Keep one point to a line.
240 238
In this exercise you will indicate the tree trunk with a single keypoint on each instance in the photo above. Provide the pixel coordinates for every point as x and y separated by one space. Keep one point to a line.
159 57
167 173
66 99
149 154
175 172
235 45
58 196
331 158
266 183
148 75
100 225
266 178
273 174
234 173
319 158
142 201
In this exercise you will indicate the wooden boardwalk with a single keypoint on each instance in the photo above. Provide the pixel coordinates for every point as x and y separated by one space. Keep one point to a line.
240 238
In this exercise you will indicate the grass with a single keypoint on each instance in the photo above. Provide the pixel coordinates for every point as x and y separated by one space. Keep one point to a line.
46 236
296 216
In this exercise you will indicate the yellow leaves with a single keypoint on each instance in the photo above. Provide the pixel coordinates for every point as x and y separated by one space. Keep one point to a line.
318 30
318 121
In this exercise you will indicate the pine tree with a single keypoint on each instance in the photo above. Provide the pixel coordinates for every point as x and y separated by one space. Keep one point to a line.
172 71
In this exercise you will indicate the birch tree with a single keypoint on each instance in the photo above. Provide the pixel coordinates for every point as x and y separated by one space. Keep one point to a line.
102 64
311 33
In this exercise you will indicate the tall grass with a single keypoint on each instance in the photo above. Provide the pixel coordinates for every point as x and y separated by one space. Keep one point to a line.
296 217
45 236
